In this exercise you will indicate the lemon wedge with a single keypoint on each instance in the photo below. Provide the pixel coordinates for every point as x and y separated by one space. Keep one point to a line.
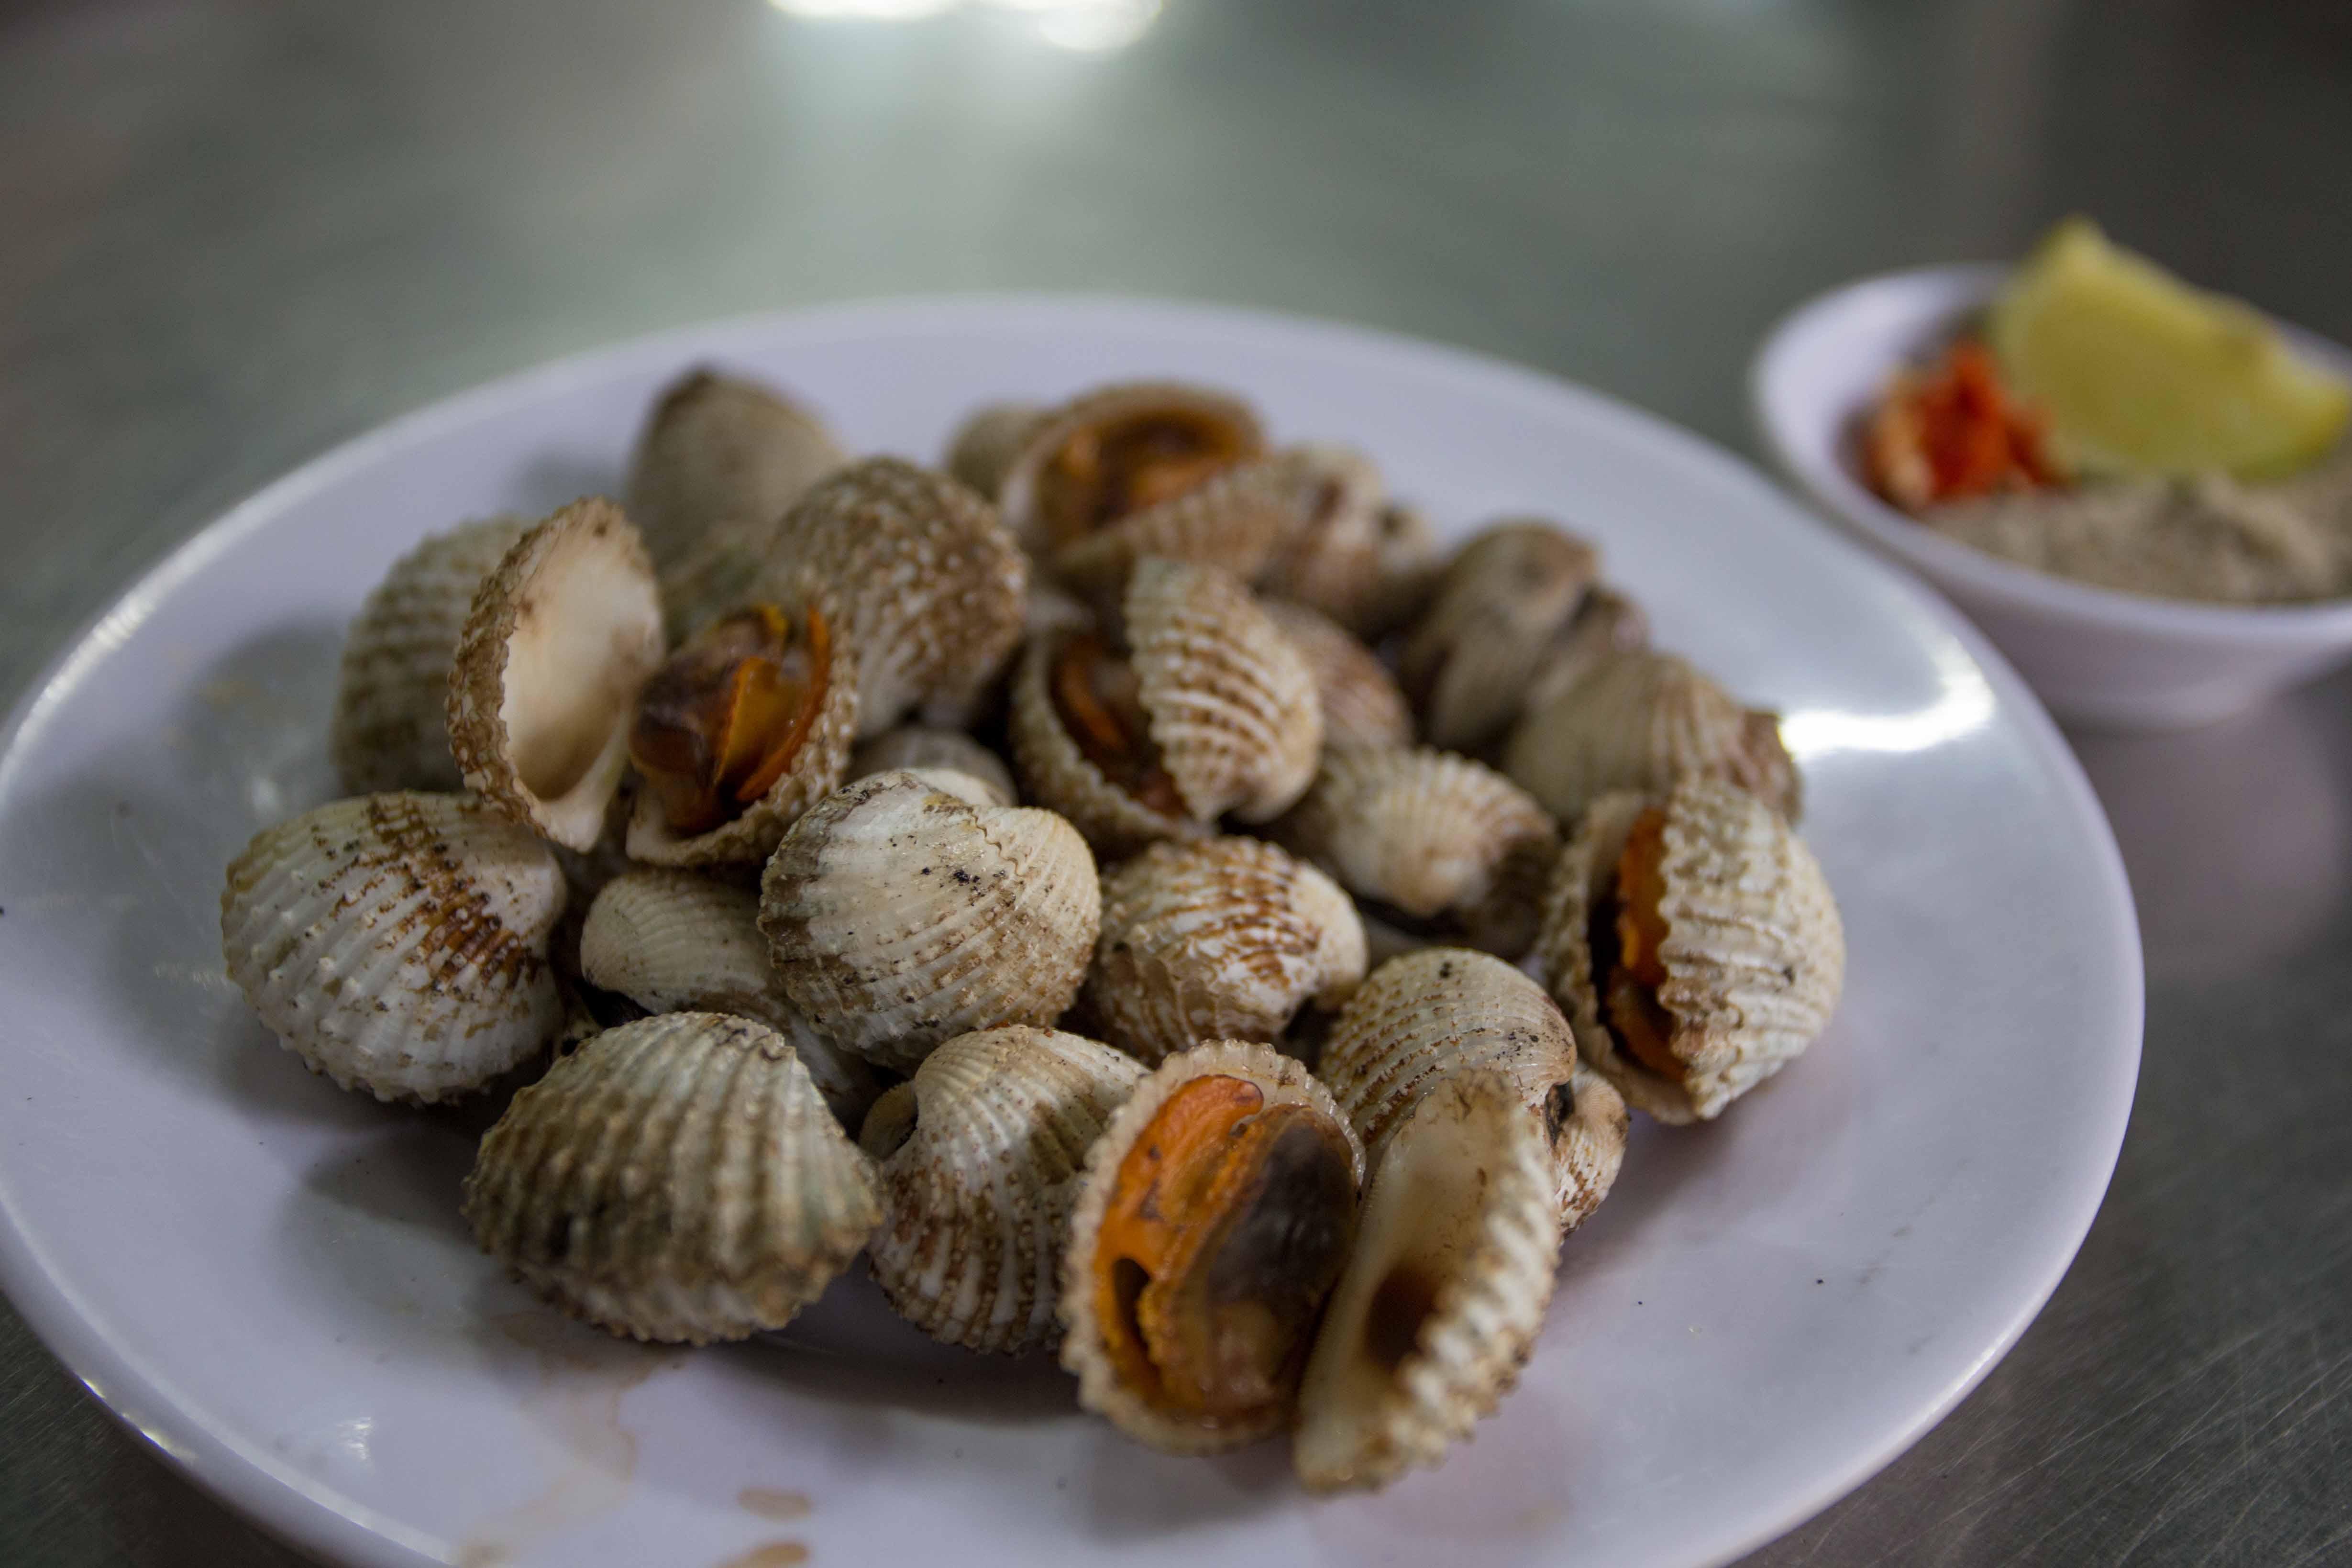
2140 374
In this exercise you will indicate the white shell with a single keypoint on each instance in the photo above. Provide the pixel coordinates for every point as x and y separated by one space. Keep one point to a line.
718 449
1362 704
398 943
916 746
1503 599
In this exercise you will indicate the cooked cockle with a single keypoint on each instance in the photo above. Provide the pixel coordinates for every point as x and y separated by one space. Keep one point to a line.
675 942
391 724
1214 1216
1348 553
1231 521
1116 450
1441 847
1642 721
989 442
1607 623
978 1160
716 575
1693 942
916 746
1362 705
1208 709
544 679
742 728
398 943
1218 939
1443 1294
678 1179
721 449
1427 1016
900 914
931 585
1504 598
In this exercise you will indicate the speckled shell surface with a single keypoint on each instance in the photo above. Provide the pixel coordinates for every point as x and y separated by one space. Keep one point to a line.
988 443
675 1179
1232 522
1426 1015
976 1192
721 450
1441 839
1056 774
391 724
1362 704
899 915
675 942
1642 721
1220 938
916 746
398 943
1017 489
1457 1227
1504 598
1754 952
1282 1081
543 684
932 585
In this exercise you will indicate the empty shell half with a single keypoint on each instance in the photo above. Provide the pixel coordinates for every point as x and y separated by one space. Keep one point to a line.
722 450
398 943
544 680
917 746
1218 939
1118 449
979 1154
900 915
676 1179
1695 943
1362 704
1505 597
1216 1212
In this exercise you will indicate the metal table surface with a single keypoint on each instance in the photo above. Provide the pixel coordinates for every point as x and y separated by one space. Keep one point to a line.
231 234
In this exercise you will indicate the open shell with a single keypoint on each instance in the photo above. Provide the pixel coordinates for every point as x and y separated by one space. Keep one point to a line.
1217 429
672 942
721 449
933 586
1231 521
916 746
398 944
900 915
980 1153
676 1179
391 724
1362 704
1428 1016
1503 599
1753 951
544 679
1642 721
1450 848
1222 938
989 442
1443 1294
1283 1222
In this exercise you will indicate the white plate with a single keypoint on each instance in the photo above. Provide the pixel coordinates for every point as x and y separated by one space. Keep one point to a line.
270 1278
2098 655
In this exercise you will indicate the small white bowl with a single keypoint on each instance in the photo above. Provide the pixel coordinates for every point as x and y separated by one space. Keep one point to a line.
2098 655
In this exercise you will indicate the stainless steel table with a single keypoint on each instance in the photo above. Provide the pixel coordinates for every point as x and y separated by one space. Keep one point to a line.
231 234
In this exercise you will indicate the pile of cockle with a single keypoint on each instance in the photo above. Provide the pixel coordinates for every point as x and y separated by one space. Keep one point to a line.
696 809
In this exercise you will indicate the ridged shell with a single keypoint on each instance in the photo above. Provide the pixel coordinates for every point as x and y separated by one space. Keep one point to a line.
1505 597
1350 553
917 747
1232 522
901 916
676 1179
672 942
717 449
817 768
391 725
1642 721
717 574
989 442
1102 406
1443 1294
1056 774
398 943
1283 1081
1754 952
543 684
1443 841
1222 938
1607 623
1362 704
980 1153
1424 1017
933 586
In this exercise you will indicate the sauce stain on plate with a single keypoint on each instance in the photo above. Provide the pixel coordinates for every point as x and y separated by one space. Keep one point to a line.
774 1554
769 1502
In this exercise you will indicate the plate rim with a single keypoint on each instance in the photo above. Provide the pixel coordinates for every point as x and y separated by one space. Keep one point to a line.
317 1518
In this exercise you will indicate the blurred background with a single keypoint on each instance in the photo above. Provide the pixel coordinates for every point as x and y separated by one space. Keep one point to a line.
233 234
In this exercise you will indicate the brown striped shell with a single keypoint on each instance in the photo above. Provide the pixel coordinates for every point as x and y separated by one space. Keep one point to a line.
398 944
1362 704
899 915
915 746
1218 939
721 449
544 679
675 1179
1041 484
979 1154
1505 597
